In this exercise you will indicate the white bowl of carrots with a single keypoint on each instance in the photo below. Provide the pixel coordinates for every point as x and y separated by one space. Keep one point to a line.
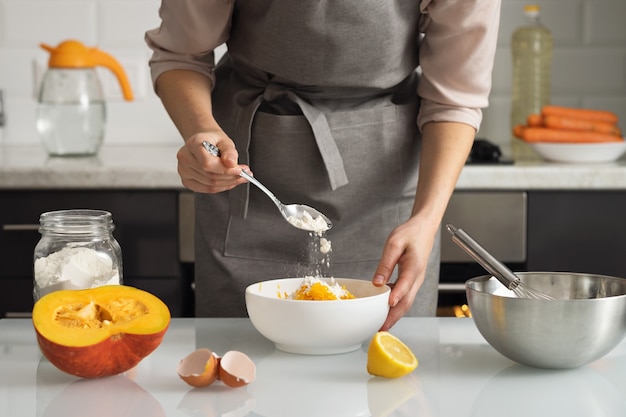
580 153
574 135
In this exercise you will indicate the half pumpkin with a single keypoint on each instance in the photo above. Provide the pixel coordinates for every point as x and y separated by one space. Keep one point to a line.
99 331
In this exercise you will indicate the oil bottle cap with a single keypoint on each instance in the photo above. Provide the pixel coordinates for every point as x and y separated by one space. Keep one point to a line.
532 9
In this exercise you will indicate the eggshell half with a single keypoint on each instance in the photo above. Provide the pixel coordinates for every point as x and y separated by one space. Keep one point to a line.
199 368
236 369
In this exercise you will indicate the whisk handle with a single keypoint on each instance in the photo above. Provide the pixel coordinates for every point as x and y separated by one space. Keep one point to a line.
484 258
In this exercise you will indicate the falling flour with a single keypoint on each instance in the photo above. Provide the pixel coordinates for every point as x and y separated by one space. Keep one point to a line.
74 268
316 226
319 244
325 246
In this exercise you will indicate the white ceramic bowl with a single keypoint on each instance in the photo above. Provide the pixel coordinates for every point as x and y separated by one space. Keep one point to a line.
580 152
317 327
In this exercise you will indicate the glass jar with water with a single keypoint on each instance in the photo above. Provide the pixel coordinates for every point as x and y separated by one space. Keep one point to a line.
71 111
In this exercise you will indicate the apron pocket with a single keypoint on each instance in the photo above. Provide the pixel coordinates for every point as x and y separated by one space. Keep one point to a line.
267 237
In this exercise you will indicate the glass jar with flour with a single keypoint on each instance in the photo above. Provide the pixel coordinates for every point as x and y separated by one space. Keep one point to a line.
77 250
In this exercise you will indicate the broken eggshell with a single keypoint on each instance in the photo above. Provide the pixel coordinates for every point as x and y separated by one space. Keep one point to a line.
236 369
199 368
202 367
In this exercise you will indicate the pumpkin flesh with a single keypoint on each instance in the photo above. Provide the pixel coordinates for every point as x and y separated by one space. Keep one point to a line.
100 331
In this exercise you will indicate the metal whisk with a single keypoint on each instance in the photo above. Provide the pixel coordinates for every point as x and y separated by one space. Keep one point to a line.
493 266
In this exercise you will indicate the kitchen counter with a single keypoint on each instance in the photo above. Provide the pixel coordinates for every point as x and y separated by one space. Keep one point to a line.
114 167
135 167
459 375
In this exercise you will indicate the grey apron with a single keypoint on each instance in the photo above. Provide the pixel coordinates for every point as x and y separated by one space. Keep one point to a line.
320 99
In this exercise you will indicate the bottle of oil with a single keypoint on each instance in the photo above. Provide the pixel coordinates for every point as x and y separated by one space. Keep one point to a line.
532 68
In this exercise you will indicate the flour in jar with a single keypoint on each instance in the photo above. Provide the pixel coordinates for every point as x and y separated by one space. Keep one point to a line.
74 268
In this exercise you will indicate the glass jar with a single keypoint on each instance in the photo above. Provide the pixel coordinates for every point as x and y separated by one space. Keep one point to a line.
77 250
71 113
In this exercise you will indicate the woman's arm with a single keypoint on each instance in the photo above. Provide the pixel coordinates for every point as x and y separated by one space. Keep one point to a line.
182 65
457 51
445 148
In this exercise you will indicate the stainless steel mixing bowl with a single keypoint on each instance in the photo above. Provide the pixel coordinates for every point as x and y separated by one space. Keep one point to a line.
587 320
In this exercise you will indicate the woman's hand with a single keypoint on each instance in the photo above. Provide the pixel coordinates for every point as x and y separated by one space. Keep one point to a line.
203 172
186 96
408 247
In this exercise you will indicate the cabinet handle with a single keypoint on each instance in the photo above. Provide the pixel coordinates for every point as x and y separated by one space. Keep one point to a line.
18 315
444 287
19 227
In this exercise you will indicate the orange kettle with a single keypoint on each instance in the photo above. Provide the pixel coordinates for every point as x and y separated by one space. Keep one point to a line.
71 111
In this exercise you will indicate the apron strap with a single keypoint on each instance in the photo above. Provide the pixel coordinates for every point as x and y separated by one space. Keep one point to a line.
321 131
325 142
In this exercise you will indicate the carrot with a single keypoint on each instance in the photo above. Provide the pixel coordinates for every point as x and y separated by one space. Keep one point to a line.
549 135
534 120
518 131
569 123
577 113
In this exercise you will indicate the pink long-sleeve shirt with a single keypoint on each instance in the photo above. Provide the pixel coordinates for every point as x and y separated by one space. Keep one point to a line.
456 52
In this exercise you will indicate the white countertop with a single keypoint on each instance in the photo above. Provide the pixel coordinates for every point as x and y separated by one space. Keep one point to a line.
114 167
459 375
539 175
135 167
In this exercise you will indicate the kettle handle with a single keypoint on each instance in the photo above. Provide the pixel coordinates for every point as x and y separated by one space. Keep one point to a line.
102 58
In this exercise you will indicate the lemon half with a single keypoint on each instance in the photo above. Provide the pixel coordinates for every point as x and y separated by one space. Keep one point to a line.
389 357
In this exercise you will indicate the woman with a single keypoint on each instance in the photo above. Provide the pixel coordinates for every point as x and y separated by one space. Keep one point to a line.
330 104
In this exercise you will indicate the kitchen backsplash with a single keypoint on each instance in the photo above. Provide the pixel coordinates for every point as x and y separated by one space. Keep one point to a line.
589 67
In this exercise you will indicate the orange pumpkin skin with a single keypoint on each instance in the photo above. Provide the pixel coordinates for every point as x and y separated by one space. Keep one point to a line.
101 331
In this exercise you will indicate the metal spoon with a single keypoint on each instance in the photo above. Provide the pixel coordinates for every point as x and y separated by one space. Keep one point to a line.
298 215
